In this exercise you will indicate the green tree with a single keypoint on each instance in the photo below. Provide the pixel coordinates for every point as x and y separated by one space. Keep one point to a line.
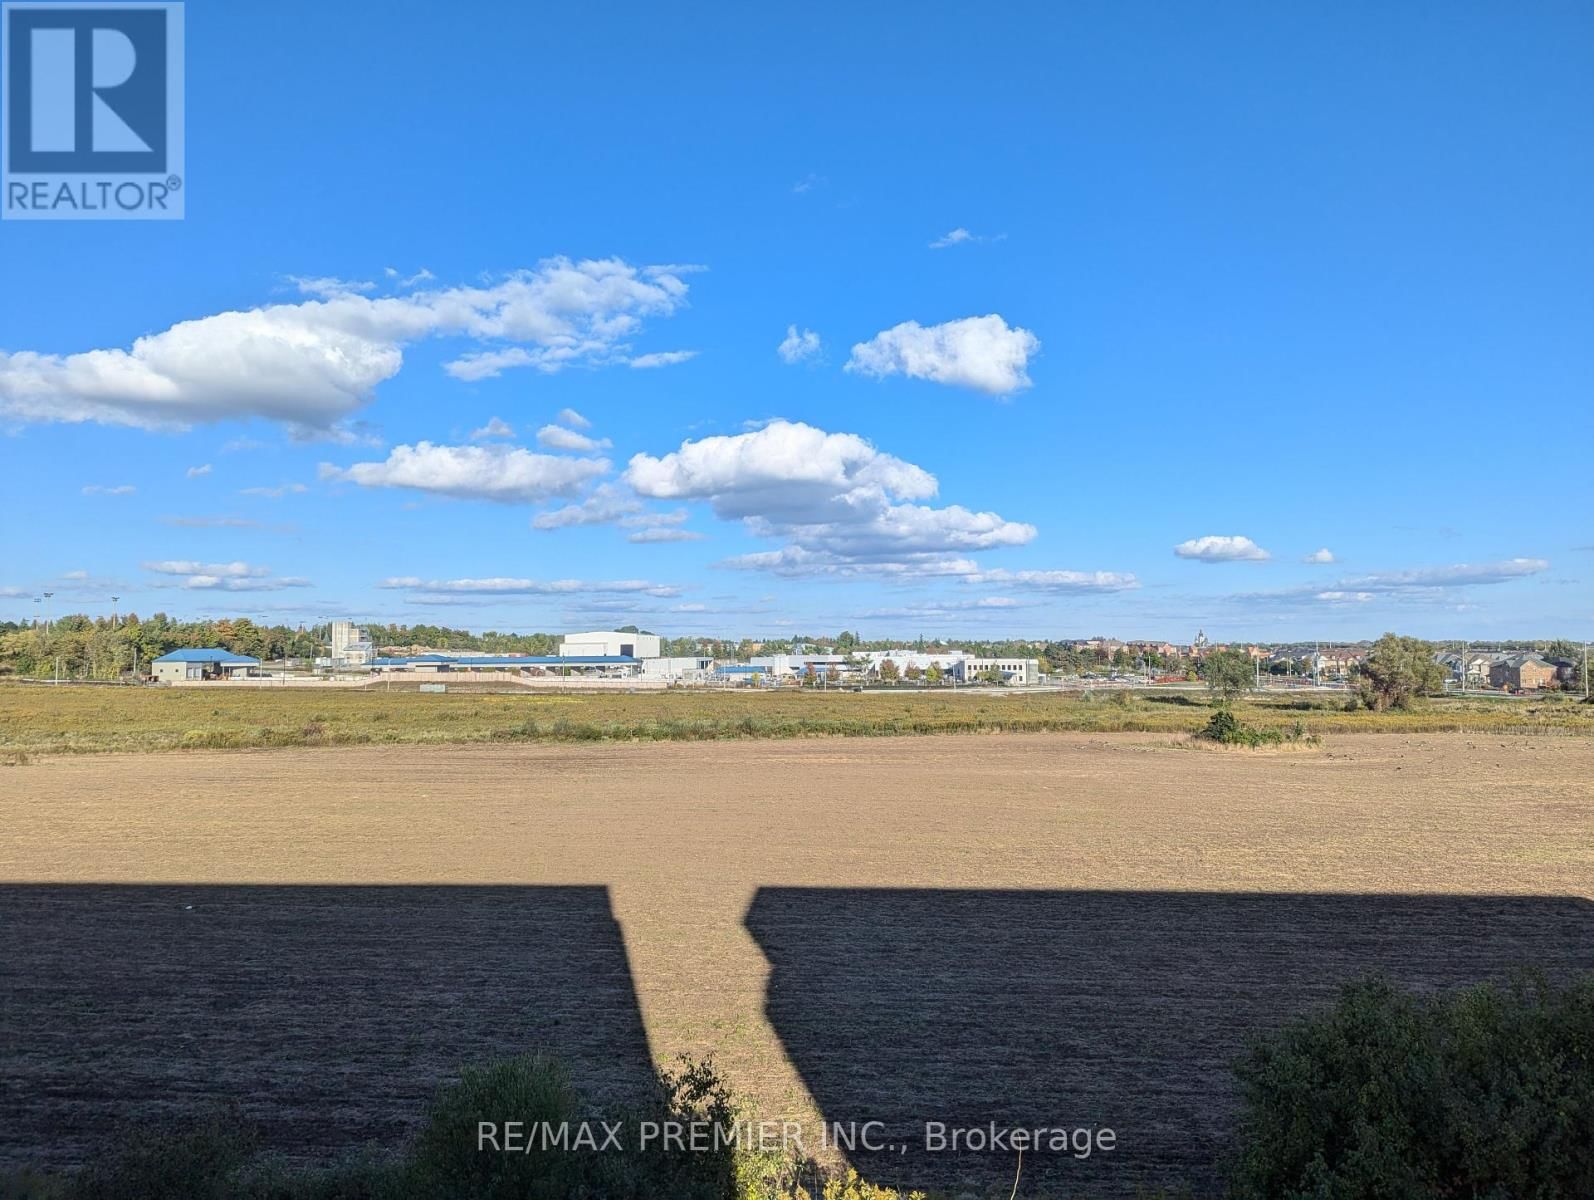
1397 672
888 670
933 675
1229 674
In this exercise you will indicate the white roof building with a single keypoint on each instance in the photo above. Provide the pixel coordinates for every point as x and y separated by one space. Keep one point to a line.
609 644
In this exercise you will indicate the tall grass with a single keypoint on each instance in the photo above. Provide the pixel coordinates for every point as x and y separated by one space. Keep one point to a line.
66 720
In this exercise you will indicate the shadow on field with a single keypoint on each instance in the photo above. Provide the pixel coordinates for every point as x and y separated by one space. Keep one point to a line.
329 1013
1082 1009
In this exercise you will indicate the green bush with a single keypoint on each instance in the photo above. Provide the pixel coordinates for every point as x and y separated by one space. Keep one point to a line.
445 1160
1228 729
445 1163
214 1158
190 1159
1487 1092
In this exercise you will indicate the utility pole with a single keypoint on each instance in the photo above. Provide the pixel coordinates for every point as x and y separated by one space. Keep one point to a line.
1585 671
1464 653
1317 658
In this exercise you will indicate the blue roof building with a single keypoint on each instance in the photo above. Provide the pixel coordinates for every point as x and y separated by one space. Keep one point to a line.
208 656
183 666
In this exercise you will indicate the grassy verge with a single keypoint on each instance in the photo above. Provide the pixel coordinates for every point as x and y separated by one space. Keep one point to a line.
63 720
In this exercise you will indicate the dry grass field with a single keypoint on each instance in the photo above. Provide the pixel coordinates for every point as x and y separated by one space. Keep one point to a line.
1050 929
43 719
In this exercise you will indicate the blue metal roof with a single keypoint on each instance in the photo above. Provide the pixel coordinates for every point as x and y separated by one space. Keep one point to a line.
735 669
507 660
208 656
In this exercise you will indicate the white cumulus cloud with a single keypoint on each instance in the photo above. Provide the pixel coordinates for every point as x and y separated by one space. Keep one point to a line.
832 497
663 358
224 576
1215 549
505 474
798 345
982 353
312 364
556 437
570 417
1321 557
496 427
604 506
663 533
198 472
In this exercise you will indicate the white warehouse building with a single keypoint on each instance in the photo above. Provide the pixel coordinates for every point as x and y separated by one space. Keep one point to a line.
607 644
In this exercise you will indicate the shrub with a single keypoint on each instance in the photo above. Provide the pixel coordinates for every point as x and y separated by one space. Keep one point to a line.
445 1163
1487 1092
192 1159
445 1160
1228 729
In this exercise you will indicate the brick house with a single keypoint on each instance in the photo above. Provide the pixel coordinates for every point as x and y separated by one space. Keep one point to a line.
1521 673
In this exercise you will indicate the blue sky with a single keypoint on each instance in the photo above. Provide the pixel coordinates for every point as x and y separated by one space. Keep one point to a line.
1097 318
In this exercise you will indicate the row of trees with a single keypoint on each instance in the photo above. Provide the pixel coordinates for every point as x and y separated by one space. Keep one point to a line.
82 647
1397 673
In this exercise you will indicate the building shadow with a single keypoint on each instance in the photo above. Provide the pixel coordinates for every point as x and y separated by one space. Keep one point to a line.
329 1014
1086 1010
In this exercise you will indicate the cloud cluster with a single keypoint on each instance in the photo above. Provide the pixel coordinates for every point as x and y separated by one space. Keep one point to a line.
605 505
224 576
1060 581
312 364
504 474
1420 584
496 427
983 353
662 358
275 493
798 346
962 237
1215 549
504 586
556 437
836 501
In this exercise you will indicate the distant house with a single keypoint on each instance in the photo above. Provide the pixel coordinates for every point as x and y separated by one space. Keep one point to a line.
182 666
1521 673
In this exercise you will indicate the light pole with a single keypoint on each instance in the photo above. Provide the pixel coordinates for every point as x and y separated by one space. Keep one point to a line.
114 599
47 596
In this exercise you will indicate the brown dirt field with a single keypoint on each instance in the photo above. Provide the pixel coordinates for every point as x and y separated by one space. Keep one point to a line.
1041 929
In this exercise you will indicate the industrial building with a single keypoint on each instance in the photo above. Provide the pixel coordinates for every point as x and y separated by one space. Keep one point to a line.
1016 672
950 663
610 644
186 666
692 669
607 666
784 666
351 645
